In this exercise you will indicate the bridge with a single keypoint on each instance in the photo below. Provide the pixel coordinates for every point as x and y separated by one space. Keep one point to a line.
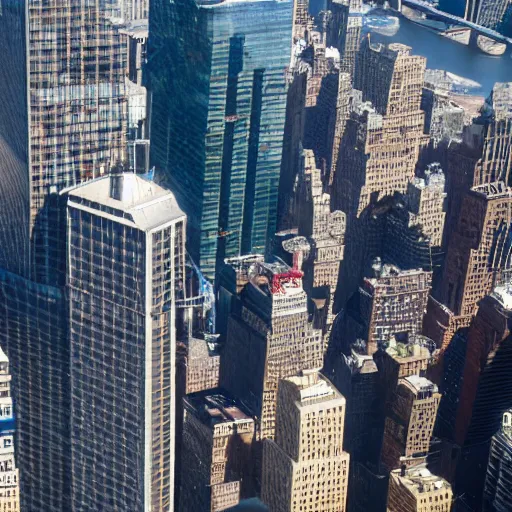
427 8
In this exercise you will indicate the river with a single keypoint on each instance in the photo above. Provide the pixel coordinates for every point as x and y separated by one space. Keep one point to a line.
442 53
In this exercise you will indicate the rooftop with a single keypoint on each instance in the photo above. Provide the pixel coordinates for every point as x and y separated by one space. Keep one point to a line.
420 384
503 294
146 204
213 408
419 480
313 386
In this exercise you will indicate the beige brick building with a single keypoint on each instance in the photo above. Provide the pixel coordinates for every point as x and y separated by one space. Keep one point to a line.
216 453
270 337
418 490
395 302
305 468
410 422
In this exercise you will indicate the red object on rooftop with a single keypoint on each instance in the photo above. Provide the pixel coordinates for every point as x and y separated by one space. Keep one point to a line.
291 277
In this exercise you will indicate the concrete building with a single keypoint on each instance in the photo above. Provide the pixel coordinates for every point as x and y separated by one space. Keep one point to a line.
319 248
202 364
126 263
497 490
410 422
479 412
481 235
216 454
417 489
399 360
269 337
444 119
305 468
9 473
217 133
396 302
425 199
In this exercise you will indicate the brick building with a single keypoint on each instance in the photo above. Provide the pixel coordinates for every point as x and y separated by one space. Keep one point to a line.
410 422
305 467
269 337
417 489
216 453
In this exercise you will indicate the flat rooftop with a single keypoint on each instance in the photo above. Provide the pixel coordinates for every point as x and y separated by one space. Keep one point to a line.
145 203
216 407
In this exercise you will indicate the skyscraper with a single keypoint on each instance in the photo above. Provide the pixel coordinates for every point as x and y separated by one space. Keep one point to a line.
497 490
9 476
219 85
63 121
415 489
217 441
126 251
480 248
305 468
269 337
410 422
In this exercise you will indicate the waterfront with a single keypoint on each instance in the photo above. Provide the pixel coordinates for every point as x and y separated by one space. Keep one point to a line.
442 53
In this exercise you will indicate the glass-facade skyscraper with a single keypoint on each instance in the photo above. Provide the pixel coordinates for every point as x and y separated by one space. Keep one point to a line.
126 266
218 80
63 119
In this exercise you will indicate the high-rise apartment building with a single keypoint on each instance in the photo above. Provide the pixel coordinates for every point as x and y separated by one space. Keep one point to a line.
63 121
497 490
216 461
217 131
126 250
478 255
410 422
305 467
392 303
417 489
269 338
318 249
9 473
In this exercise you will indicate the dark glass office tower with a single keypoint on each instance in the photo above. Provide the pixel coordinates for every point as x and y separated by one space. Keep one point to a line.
218 79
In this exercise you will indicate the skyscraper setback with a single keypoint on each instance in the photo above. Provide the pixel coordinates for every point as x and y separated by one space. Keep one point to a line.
218 84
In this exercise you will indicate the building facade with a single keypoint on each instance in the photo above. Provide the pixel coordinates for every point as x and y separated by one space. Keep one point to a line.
269 337
410 422
499 468
9 473
64 121
305 468
216 461
417 489
126 250
217 132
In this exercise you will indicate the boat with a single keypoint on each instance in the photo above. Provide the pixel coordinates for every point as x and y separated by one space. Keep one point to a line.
490 46
458 34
